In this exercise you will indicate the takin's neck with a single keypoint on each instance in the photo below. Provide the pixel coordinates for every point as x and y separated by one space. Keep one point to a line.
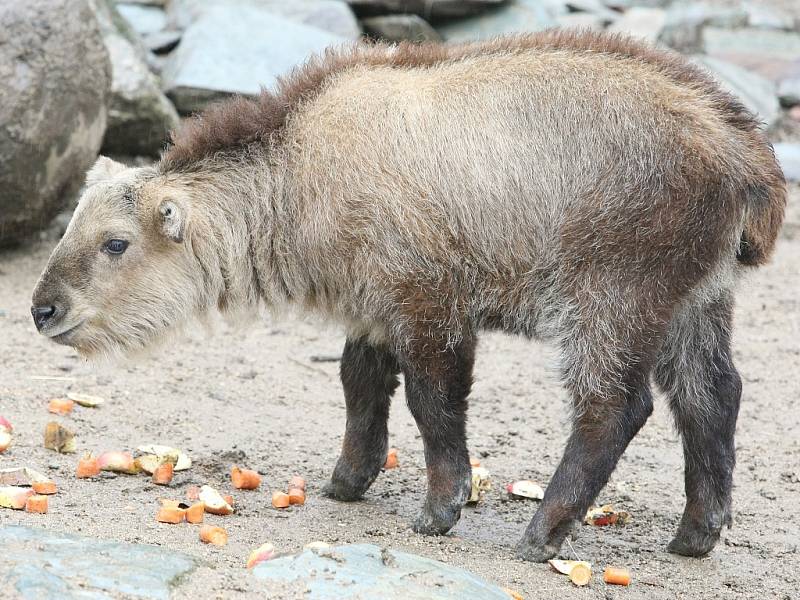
231 233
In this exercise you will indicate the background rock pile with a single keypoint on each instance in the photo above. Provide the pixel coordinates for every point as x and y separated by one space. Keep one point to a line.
116 74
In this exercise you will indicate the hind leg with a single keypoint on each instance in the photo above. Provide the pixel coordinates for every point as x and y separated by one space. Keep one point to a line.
369 378
695 369
600 434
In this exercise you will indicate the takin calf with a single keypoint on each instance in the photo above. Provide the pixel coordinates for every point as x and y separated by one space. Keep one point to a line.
571 187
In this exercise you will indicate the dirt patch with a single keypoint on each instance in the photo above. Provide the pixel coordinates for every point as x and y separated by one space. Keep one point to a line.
255 397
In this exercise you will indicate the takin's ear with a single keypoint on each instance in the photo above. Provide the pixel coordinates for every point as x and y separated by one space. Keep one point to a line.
103 169
172 219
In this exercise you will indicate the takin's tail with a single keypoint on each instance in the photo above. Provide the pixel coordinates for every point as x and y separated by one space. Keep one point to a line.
766 203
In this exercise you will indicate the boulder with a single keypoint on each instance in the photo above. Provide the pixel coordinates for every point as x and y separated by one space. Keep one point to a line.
684 23
521 16
756 93
229 52
428 9
772 54
397 28
140 115
641 22
55 76
788 155
768 17
333 16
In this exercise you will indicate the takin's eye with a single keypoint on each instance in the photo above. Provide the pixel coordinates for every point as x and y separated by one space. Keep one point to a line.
115 247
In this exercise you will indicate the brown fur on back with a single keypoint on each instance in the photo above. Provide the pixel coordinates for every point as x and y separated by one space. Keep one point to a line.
242 121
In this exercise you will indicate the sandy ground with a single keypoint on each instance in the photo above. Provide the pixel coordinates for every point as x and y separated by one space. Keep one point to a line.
255 398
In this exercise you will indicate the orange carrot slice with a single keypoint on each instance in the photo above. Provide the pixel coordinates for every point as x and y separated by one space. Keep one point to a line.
87 467
297 483
280 500
60 406
391 459
297 496
194 514
170 512
36 504
617 576
44 487
118 462
213 535
260 554
163 474
245 479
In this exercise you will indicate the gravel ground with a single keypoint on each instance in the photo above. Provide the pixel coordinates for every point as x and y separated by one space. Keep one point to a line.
254 397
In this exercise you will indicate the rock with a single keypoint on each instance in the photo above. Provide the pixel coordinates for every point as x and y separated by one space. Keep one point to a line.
641 22
41 564
140 115
520 16
768 17
580 21
333 16
773 54
367 571
162 42
789 92
594 7
143 19
236 52
428 9
788 155
397 28
684 23
756 92
53 96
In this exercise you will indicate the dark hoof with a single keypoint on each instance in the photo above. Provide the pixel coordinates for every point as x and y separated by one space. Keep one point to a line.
343 491
693 544
536 552
436 522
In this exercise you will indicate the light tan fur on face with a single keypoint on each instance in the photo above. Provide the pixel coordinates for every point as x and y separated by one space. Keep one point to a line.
572 188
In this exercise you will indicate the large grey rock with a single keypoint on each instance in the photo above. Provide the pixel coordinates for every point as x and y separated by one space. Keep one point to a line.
140 115
143 19
763 16
397 28
580 20
237 52
366 571
641 22
428 9
55 77
788 155
684 23
756 93
333 16
520 16
39 564
772 54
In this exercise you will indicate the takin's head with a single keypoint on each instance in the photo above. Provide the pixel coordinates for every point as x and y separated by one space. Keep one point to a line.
124 274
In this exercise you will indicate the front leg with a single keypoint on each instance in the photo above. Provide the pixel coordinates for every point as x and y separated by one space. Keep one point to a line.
438 381
369 378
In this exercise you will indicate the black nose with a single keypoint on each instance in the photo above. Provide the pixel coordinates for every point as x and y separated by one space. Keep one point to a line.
42 314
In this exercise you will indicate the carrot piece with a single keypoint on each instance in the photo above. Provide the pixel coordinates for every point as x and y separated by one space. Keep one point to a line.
474 462
617 576
280 500
170 512
163 473
213 535
228 498
245 479
513 594
297 483
391 459
580 574
60 406
260 554
194 514
297 496
36 504
87 467
44 487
